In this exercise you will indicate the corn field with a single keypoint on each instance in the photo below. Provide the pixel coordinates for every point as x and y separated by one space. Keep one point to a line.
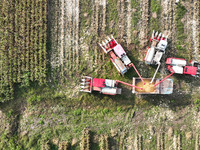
22 44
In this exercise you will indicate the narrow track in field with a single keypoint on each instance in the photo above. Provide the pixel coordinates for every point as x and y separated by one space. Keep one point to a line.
144 25
196 31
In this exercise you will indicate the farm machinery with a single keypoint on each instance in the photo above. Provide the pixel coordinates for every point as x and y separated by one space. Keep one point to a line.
156 49
104 86
158 86
118 56
180 66
110 87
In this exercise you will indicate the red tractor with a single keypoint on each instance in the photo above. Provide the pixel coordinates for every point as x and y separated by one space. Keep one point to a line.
104 86
180 66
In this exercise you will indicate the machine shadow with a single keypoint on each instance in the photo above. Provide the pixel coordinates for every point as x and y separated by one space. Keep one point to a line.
178 99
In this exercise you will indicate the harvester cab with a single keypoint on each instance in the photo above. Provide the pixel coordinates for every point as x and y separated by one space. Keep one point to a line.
180 66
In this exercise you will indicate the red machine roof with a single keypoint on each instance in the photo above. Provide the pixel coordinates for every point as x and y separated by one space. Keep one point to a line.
190 70
98 82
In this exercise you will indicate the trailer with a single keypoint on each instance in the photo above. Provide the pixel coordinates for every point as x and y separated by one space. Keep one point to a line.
157 87
104 86
181 66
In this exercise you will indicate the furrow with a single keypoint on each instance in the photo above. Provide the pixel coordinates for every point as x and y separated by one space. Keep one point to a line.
173 24
196 31
67 38
62 33
19 43
70 37
122 16
10 44
61 40
170 19
197 143
97 58
77 35
144 28
129 19
104 2
28 23
40 48
73 36
36 40
44 53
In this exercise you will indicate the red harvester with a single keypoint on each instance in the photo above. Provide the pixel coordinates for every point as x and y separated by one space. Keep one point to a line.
180 66
118 56
104 86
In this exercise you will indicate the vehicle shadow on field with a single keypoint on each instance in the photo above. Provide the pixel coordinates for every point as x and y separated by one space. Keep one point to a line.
97 99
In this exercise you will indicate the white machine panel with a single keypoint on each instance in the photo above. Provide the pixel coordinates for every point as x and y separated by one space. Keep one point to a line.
111 91
110 83
179 62
178 69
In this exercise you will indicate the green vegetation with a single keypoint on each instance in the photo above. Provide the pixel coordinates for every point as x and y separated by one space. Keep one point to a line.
112 17
155 23
23 45
197 104
181 45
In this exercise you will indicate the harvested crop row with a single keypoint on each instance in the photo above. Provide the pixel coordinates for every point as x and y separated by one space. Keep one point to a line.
196 32
85 141
144 22
104 144
129 23
138 143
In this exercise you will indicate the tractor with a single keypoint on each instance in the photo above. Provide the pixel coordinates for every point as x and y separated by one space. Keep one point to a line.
180 66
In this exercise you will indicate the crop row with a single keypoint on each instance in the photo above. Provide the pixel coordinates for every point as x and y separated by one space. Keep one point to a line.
23 44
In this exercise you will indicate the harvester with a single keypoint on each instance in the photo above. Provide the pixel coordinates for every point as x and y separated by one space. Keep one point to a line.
180 66
118 56
104 86
156 50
